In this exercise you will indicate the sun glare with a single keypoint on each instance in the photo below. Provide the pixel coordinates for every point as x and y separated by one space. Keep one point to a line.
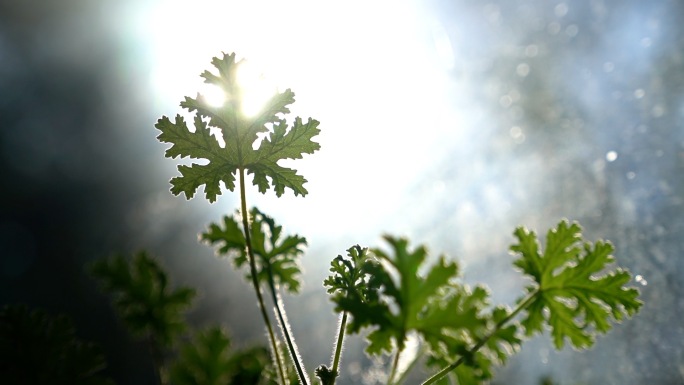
185 38
214 95
364 83
256 88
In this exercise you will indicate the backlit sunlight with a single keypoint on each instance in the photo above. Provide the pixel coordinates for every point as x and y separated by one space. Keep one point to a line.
254 86
446 123
213 95
370 87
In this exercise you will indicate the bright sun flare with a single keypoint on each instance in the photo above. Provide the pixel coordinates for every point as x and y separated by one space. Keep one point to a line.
255 87
202 37
366 83
213 95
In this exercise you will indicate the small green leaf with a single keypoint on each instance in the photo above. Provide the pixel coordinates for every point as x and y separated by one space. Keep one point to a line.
275 255
231 239
141 294
240 133
574 293
209 360
350 275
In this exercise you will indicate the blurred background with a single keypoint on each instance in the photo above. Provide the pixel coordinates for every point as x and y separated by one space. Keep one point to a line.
450 122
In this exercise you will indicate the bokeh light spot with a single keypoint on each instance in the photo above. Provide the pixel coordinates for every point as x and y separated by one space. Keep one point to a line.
523 69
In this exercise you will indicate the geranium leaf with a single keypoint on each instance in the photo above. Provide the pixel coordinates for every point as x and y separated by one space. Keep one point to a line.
143 297
575 293
275 254
241 134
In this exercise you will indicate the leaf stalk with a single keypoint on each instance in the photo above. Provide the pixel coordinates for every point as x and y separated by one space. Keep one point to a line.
339 344
395 364
285 327
255 280
522 306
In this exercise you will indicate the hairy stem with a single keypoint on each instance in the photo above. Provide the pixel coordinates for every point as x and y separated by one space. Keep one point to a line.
524 304
285 327
339 344
255 280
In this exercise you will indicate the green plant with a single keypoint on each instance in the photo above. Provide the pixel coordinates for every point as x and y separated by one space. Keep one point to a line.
143 299
39 348
152 311
395 293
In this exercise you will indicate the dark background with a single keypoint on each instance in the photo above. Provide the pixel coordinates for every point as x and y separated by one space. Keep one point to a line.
551 110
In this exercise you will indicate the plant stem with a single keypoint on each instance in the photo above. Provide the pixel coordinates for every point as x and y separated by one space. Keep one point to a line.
395 364
339 343
157 359
328 377
524 304
285 327
255 280
409 367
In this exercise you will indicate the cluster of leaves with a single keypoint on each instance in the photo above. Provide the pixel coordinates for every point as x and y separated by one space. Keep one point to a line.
139 289
38 348
277 256
240 133
395 293
253 144
276 260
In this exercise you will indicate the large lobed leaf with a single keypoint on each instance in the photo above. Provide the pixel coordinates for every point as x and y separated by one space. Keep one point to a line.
276 255
240 133
572 292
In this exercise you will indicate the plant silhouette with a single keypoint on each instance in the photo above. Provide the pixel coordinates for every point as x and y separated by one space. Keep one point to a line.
397 293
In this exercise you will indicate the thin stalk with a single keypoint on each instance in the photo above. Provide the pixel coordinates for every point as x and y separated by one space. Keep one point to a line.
410 367
339 343
330 377
524 304
255 280
157 359
395 364
285 327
